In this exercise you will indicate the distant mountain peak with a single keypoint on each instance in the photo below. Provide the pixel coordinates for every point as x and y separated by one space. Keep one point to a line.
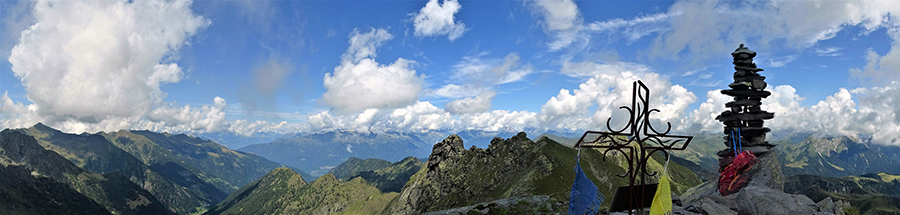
44 128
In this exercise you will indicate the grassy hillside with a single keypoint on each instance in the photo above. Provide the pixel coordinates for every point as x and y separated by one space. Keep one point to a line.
23 193
283 191
185 173
702 151
833 157
235 167
393 177
94 153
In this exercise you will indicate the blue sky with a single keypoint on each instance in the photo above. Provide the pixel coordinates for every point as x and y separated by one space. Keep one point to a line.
308 66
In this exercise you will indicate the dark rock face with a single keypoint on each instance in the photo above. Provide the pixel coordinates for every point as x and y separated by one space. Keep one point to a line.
446 151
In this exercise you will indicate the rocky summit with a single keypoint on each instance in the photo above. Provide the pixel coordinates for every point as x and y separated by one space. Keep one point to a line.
513 168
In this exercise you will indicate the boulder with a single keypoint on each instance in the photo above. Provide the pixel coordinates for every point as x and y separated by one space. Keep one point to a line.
826 205
840 205
804 201
767 201
705 189
767 172
753 199
708 206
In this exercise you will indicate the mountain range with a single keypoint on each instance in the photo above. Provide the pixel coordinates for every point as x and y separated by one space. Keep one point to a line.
804 154
873 193
235 140
320 152
46 171
180 173
836 157
536 174
40 181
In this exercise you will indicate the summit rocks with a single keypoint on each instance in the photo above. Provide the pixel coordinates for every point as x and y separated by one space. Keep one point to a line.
513 168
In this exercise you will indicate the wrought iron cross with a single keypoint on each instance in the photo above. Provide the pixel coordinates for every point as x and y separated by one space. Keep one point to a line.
638 136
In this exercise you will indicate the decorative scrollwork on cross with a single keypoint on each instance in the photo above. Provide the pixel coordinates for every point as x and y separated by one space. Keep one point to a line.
638 137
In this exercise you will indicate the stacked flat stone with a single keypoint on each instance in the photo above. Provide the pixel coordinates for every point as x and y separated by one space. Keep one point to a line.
744 115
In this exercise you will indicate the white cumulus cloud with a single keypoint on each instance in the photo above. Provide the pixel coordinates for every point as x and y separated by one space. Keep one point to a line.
247 128
360 83
15 114
704 117
610 86
880 69
101 67
437 19
186 118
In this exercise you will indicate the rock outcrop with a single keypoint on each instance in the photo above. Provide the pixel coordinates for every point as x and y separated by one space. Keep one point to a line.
518 205
753 199
447 180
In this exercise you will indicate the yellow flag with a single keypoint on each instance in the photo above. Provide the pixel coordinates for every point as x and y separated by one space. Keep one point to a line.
662 201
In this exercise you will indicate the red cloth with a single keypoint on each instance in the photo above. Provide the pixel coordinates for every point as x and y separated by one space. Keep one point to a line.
733 178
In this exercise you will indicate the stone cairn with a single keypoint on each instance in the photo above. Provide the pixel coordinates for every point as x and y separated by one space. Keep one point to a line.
764 191
744 121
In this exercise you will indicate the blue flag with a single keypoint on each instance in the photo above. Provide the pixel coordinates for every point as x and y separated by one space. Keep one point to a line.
586 198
